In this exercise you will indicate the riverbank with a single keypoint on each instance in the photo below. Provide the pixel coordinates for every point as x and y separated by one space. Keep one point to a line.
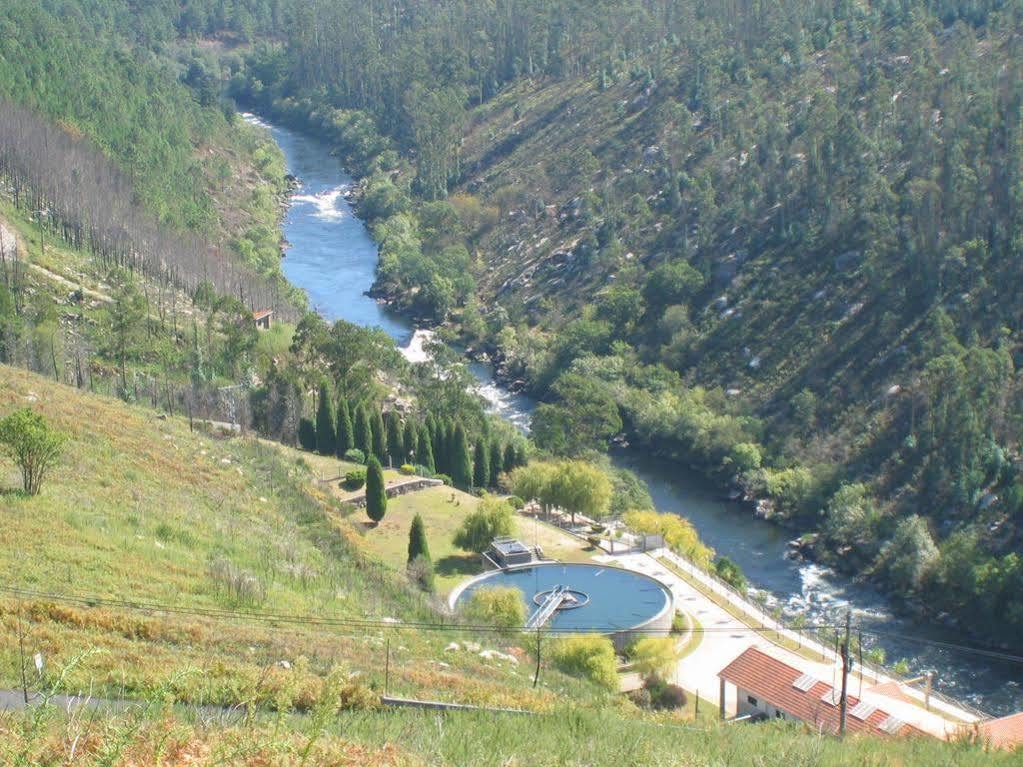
333 255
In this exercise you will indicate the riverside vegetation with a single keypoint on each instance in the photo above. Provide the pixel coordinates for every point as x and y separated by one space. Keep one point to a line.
780 244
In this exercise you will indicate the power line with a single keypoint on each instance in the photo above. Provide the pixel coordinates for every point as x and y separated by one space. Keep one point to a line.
350 622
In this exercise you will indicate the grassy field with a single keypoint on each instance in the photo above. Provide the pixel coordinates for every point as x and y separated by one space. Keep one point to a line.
141 509
442 510
574 736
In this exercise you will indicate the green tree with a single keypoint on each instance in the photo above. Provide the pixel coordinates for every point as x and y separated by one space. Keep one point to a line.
910 555
424 450
417 544
306 434
481 465
345 433
33 445
496 461
363 430
493 518
395 438
409 436
326 440
419 564
460 464
376 491
379 435
127 318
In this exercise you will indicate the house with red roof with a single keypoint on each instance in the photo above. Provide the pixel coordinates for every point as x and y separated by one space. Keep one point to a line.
767 687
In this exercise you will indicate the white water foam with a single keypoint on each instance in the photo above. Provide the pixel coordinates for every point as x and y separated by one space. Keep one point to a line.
325 203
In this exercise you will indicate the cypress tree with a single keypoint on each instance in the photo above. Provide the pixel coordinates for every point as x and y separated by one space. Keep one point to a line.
449 448
409 440
461 463
481 465
379 435
439 455
363 430
509 457
424 450
376 493
345 433
417 545
326 440
496 461
306 434
395 440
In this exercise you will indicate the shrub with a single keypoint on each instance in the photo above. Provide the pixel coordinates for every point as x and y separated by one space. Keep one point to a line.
515 502
730 573
679 623
355 479
420 572
653 657
499 606
32 444
239 586
665 696
422 471
587 655
407 468
355 456
444 478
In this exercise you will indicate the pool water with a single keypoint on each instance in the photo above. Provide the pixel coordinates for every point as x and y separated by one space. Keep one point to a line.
618 599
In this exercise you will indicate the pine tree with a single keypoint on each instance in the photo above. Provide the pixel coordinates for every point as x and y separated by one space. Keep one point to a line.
363 430
326 442
379 435
395 439
417 545
345 433
376 492
481 465
424 450
496 461
461 463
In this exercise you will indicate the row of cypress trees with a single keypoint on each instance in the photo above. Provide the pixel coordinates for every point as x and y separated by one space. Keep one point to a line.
439 445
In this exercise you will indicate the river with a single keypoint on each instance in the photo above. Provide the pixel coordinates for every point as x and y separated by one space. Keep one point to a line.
332 257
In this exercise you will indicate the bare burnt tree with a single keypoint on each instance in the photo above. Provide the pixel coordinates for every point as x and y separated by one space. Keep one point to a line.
76 193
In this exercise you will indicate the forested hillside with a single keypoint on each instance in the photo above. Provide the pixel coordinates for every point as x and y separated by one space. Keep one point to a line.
780 242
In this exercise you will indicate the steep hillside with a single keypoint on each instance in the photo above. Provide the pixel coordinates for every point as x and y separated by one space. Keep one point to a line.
780 244
218 541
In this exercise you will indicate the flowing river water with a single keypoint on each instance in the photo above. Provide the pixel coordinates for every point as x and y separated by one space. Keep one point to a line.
333 258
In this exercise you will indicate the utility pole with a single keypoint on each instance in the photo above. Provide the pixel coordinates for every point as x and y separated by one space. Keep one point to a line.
846 665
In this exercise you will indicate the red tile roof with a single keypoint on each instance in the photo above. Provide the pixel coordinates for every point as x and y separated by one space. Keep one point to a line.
771 680
260 315
1006 732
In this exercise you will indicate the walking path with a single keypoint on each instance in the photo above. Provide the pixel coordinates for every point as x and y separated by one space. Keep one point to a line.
727 637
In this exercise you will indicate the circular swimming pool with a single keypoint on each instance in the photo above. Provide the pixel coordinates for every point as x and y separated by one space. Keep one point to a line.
597 598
